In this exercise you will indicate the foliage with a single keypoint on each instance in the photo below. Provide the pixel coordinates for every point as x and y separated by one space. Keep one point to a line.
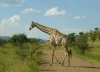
72 36
33 40
98 36
18 39
81 33
2 42
81 43
26 50
12 58
93 37
96 29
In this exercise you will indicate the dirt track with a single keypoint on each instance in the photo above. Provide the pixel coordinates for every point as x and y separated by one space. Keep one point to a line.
77 64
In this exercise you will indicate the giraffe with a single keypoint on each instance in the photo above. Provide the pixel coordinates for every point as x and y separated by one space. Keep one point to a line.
56 39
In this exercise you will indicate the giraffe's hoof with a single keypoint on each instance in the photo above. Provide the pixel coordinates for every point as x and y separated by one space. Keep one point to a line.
62 64
50 64
68 64
58 62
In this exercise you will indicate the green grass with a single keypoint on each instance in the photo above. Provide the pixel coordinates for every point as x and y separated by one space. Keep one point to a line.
11 61
92 55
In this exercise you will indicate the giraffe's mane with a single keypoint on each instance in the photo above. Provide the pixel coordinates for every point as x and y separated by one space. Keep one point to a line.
42 25
57 31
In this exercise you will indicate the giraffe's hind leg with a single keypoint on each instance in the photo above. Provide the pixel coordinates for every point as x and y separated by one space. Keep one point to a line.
64 59
66 54
68 60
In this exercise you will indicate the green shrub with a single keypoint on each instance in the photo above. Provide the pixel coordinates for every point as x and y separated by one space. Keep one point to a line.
2 42
18 39
93 37
81 43
33 40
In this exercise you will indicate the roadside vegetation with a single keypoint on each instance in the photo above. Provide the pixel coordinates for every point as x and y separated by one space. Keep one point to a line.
20 54
84 45
87 45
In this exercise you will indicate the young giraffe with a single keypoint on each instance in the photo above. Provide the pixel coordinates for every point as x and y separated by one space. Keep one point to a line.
56 38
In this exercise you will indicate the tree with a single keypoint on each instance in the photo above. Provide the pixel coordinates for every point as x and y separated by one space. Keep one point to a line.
81 33
72 36
96 29
72 39
33 40
81 43
93 37
18 39
98 36
2 42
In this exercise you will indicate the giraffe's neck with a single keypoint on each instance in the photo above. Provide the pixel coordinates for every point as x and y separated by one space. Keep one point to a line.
43 28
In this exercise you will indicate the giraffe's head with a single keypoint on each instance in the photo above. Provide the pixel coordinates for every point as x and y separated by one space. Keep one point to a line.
32 25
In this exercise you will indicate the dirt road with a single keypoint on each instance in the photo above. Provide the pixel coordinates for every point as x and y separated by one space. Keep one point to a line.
77 64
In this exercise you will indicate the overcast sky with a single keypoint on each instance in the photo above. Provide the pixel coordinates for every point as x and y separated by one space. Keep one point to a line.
65 15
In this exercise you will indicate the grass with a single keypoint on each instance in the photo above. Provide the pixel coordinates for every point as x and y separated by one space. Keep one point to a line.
92 55
11 61
27 58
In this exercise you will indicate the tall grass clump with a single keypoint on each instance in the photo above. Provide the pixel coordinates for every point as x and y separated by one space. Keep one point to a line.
30 54
23 58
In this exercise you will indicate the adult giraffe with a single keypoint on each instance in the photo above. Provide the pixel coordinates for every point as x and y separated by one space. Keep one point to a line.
56 39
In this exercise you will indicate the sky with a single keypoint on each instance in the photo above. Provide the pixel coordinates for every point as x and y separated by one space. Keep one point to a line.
67 16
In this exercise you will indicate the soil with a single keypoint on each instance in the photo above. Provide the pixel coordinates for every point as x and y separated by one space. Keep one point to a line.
76 65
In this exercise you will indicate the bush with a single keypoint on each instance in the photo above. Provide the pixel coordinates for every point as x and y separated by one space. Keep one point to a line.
81 43
30 54
72 37
18 39
93 37
33 40
2 42
26 51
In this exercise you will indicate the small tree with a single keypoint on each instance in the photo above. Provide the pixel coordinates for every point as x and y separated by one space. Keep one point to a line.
96 29
18 39
2 42
93 37
72 37
81 33
81 43
98 36
33 40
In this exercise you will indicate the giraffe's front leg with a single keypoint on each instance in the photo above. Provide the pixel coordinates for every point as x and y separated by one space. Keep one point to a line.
57 60
53 46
